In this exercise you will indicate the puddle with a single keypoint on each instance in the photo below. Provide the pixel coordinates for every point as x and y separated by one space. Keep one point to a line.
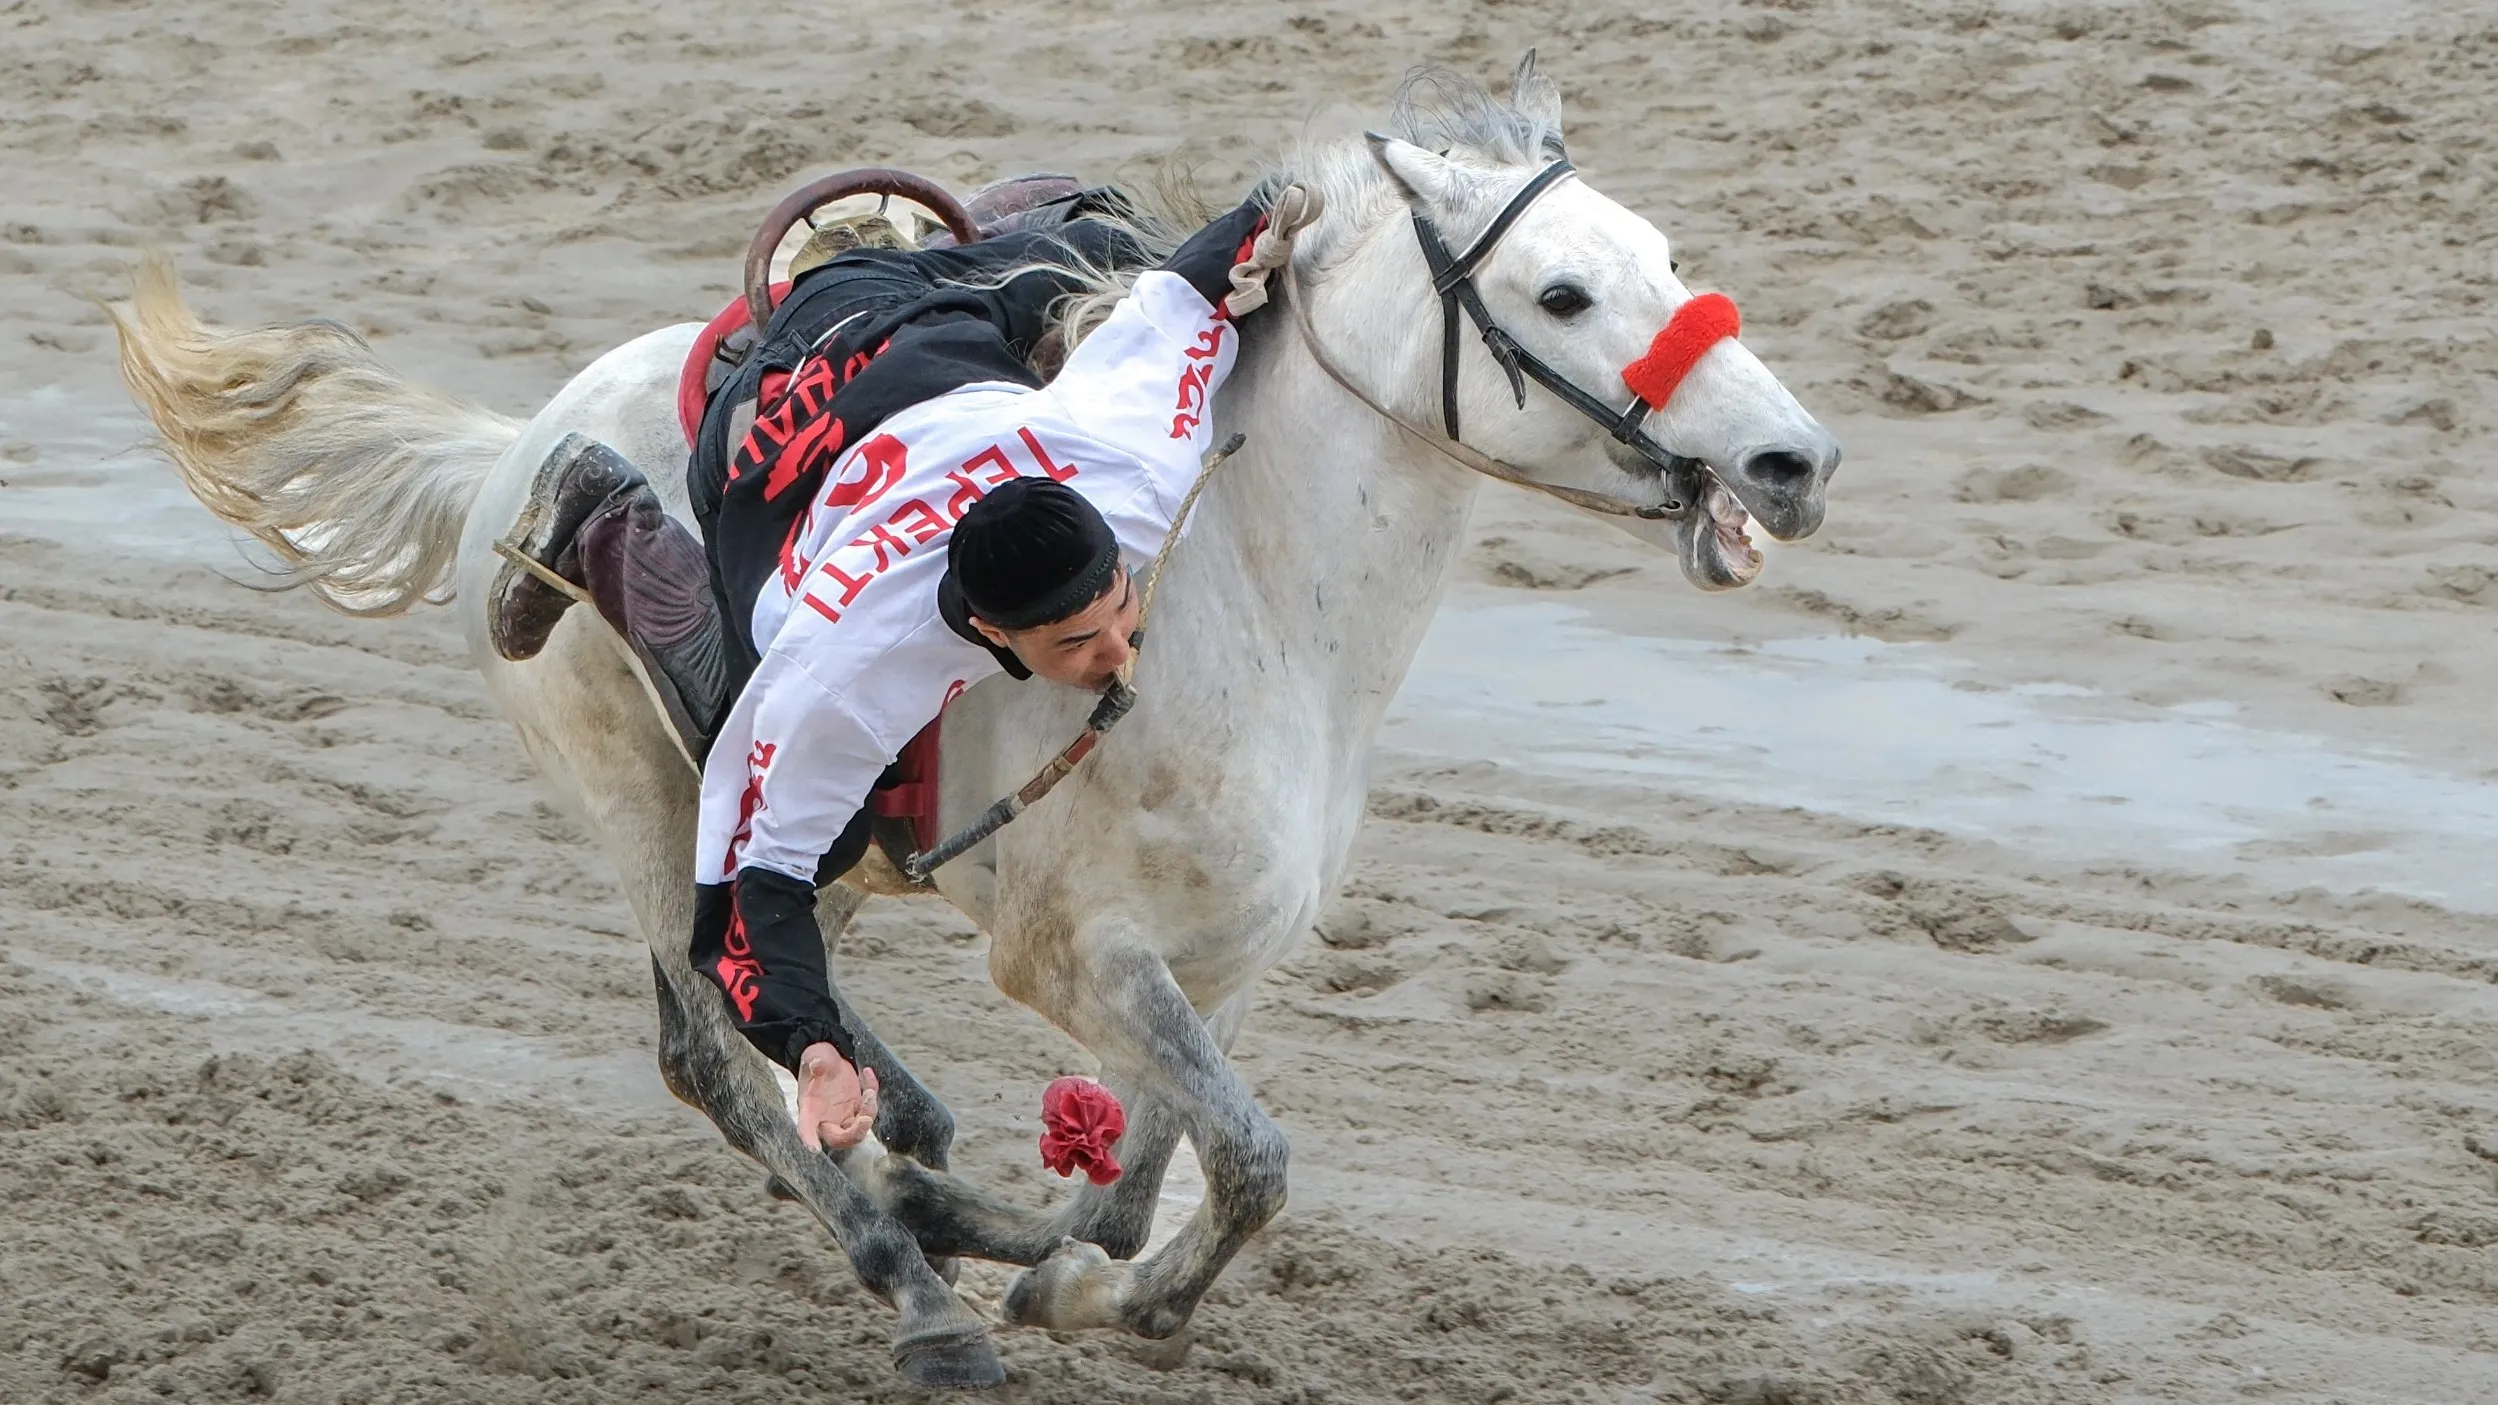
93 478
1899 733
1873 731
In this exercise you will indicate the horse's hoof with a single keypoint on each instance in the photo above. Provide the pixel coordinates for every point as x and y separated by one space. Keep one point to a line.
1052 1292
950 1358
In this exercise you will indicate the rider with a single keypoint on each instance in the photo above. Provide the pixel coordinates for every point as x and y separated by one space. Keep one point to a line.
910 511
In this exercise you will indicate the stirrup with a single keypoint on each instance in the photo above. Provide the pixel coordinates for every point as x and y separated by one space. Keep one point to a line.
531 592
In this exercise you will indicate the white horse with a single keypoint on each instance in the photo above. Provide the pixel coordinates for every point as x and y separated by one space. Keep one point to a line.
1136 907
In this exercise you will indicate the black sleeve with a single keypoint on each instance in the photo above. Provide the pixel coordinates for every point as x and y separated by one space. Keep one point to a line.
756 939
1206 259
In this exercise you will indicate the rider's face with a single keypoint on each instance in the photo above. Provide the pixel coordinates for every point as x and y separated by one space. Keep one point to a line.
1083 650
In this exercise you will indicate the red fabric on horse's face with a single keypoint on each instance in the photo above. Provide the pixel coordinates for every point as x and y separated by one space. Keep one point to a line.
1697 325
1079 1120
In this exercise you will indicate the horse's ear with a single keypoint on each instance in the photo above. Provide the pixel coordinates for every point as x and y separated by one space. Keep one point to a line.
1427 177
1538 99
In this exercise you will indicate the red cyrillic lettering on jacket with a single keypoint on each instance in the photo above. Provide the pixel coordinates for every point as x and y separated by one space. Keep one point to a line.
881 461
758 762
772 428
1000 467
922 522
877 539
850 585
789 430
1042 457
817 439
793 569
816 603
967 494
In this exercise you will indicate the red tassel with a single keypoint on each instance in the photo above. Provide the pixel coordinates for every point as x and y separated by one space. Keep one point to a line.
1698 325
1080 1119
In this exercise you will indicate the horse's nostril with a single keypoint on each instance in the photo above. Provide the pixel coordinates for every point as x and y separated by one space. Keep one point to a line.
1782 469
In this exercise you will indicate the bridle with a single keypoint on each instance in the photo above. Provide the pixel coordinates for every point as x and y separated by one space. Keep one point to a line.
1452 278
1652 380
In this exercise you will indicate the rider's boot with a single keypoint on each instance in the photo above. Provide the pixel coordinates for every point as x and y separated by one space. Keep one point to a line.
593 521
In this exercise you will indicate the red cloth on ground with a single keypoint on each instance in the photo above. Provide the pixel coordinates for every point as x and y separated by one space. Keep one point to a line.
1080 1119
1697 325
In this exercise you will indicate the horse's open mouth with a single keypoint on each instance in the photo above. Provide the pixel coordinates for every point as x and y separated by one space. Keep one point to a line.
1716 552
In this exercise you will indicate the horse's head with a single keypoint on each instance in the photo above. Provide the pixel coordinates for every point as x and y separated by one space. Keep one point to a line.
1585 287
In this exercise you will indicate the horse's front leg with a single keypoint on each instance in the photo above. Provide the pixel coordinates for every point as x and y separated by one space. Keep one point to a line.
1120 1216
1119 999
909 1118
953 1218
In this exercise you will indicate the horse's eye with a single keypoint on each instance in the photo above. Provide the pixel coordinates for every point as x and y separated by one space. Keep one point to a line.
1673 265
1564 300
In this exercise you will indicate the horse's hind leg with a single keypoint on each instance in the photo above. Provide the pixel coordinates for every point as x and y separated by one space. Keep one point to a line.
938 1342
1124 1006
584 718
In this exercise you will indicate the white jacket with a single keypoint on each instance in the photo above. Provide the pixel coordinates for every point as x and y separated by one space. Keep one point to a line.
855 658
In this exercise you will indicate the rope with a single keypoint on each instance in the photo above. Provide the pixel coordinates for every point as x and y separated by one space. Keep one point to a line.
1116 701
1162 558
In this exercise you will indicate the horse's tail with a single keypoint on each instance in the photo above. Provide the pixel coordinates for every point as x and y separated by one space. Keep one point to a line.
359 481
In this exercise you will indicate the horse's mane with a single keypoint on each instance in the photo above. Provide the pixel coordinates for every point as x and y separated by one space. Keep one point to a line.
1434 108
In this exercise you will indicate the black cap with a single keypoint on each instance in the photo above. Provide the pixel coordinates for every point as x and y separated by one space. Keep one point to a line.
1031 552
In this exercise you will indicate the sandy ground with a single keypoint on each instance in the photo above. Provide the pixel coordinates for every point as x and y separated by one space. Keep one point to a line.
2160 339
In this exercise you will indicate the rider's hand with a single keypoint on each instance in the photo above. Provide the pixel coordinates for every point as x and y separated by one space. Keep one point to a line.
836 1103
1296 208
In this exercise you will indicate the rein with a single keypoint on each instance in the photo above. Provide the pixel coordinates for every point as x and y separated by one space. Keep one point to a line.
1116 702
1698 325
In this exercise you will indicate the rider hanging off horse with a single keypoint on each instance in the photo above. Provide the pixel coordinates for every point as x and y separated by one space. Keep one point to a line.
894 506
885 407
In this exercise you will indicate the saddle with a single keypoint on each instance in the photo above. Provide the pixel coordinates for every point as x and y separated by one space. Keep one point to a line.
728 342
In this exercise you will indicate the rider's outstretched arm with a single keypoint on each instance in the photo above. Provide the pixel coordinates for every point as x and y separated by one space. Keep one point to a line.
795 759
756 938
